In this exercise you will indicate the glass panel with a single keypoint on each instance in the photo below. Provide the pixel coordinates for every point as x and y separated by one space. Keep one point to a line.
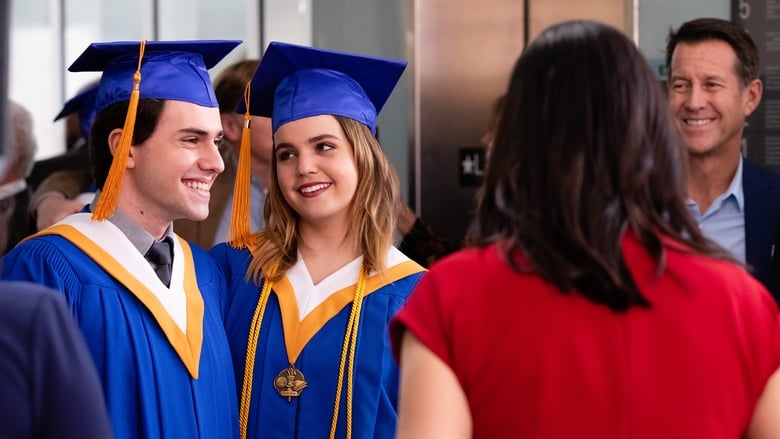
39 79
48 35
211 20
88 21
33 78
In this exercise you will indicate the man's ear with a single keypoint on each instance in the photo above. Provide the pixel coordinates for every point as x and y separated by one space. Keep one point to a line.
752 96
113 143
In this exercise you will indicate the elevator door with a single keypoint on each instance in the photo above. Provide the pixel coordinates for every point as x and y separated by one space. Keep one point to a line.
463 52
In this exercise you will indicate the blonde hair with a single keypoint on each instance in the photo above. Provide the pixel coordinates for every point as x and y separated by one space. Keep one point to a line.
374 210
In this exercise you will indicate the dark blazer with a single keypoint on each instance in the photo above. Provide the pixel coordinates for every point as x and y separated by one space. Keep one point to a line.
762 224
20 224
15 222
50 388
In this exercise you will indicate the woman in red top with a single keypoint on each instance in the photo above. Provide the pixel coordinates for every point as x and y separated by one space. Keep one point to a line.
590 305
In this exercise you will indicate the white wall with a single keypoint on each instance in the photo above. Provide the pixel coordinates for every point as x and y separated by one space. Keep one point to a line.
287 20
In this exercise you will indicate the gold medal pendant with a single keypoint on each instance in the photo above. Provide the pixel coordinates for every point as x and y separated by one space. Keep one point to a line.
290 383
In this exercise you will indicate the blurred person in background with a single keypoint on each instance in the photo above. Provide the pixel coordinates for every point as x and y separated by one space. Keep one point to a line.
78 113
63 184
14 191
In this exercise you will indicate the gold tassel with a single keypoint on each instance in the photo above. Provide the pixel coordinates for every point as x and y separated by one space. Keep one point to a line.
109 195
239 233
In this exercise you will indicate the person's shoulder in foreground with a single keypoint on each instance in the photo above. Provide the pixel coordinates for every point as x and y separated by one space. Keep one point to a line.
50 386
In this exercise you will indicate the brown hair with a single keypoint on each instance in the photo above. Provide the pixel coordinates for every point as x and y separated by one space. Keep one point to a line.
112 117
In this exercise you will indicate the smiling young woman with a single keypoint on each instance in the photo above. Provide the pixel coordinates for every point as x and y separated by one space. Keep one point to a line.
312 295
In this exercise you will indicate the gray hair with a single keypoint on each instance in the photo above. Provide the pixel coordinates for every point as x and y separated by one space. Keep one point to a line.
21 154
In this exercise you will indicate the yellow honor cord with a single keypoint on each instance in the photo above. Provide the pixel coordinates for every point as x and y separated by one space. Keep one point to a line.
240 233
251 353
109 194
350 342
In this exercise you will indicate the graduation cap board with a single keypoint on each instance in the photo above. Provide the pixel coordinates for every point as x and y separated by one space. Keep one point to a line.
172 70
293 82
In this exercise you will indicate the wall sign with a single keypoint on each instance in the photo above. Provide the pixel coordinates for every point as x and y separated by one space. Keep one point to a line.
472 166
761 139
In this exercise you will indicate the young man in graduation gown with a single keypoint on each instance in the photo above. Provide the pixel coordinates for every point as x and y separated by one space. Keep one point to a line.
152 319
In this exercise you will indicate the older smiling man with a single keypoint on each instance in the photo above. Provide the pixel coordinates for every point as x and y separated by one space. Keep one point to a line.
713 86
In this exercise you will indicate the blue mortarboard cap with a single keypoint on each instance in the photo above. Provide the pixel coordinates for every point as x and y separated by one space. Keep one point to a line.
84 104
293 82
172 70
169 70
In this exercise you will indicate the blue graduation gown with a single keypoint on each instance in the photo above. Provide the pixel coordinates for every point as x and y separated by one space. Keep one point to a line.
159 381
320 337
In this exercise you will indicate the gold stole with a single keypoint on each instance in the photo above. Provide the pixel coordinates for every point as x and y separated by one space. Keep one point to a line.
187 346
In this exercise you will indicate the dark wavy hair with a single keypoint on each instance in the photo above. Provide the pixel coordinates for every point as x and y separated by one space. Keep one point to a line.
584 150
112 117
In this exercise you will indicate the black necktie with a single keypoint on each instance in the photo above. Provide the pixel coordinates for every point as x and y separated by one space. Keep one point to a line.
160 256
